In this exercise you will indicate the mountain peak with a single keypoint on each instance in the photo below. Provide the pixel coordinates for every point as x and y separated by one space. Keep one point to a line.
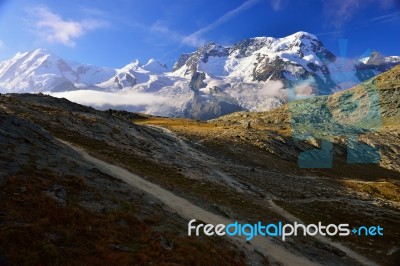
135 64
303 34
151 60
376 58
155 66
41 51
32 54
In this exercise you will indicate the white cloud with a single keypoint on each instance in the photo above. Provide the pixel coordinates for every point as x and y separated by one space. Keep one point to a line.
195 39
135 102
270 89
340 12
277 4
343 11
159 27
54 29
392 17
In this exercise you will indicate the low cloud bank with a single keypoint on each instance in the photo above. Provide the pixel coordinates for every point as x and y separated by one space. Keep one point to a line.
134 102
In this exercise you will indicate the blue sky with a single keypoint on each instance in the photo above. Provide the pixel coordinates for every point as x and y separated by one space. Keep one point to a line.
114 33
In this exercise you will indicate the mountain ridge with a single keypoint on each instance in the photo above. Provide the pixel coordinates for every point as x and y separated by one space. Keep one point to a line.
256 74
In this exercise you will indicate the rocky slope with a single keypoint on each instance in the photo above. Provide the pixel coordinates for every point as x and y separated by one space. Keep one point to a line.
240 167
57 208
369 111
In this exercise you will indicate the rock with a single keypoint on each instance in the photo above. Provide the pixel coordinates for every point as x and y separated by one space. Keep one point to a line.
53 237
392 251
330 248
58 193
247 124
223 210
338 252
166 244
93 207
123 223
119 248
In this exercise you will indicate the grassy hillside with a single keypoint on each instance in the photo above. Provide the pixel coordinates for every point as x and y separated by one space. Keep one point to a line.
56 208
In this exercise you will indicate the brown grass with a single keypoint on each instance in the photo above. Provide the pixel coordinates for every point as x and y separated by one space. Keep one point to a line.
30 218
383 190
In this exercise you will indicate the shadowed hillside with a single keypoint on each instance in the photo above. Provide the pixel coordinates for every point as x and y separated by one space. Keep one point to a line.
58 207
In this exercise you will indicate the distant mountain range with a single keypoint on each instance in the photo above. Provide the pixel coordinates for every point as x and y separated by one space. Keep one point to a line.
256 74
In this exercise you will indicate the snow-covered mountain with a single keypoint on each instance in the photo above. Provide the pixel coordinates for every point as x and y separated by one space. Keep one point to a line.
256 74
133 74
41 70
379 63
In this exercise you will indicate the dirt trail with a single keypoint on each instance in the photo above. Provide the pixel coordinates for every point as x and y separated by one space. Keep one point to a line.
352 254
190 211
